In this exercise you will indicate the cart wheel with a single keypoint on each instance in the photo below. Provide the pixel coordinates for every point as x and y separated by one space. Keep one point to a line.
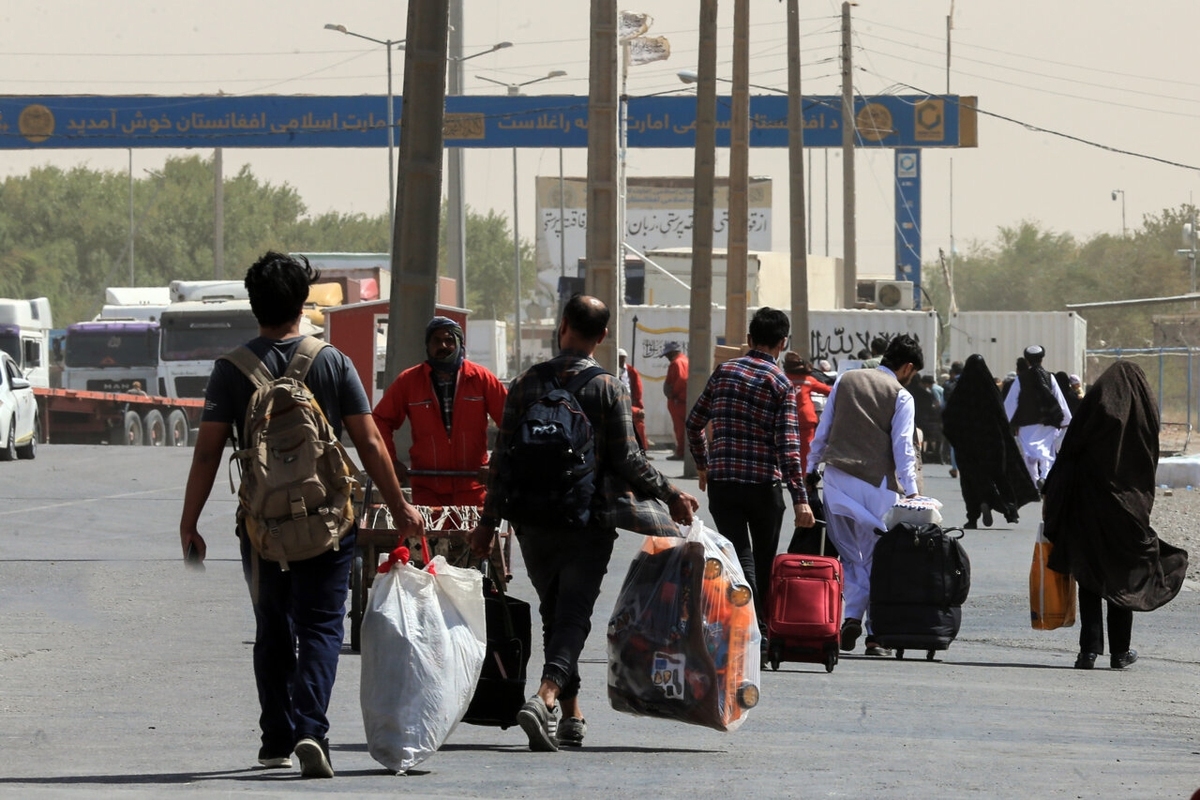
831 660
357 603
899 652
929 655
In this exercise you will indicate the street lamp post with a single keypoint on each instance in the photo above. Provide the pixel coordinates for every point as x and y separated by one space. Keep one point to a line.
456 228
1121 192
388 44
514 90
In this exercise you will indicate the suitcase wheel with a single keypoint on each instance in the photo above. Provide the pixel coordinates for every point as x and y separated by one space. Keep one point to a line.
899 652
831 660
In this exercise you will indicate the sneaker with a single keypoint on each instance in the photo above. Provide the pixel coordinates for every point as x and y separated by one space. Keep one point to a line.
314 758
571 732
540 725
851 630
274 760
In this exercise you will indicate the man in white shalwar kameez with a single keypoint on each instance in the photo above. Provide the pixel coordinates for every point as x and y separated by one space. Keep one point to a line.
1037 407
865 440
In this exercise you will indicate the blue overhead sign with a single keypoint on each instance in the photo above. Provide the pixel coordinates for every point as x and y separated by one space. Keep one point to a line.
90 122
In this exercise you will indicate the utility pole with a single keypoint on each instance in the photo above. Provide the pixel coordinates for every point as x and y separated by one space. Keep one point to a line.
218 215
849 232
700 352
419 186
799 235
739 180
604 252
456 224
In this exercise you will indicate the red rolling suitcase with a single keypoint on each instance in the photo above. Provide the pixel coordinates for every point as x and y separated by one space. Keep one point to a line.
805 610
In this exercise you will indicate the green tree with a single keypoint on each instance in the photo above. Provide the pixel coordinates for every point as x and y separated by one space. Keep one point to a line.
491 287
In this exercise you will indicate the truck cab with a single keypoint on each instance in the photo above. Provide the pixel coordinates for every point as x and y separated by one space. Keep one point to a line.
25 335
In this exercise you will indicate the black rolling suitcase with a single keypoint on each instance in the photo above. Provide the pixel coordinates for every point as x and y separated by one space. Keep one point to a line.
500 692
919 580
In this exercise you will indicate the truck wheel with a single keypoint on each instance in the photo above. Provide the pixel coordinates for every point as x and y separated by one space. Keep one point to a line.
131 431
154 427
177 429
10 448
29 451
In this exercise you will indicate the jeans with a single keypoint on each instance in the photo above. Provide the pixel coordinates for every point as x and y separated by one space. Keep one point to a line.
750 515
1091 625
566 568
299 615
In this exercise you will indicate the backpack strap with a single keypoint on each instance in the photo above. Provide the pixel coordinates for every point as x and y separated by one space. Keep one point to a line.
582 379
250 365
303 358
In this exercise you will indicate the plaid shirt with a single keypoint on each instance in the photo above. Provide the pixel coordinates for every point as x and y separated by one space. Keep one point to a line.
756 434
629 488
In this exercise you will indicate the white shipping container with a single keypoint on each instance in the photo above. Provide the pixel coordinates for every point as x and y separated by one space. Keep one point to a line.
487 345
840 335
1002 336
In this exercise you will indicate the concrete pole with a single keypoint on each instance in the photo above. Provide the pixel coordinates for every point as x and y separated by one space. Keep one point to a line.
516 267
700 353
414 259
799 234
218 215
603 239
739 180
849 232
456 214
131 228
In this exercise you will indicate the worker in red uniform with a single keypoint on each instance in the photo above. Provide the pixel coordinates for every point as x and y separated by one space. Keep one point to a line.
448 400
799 372
675 388
631 379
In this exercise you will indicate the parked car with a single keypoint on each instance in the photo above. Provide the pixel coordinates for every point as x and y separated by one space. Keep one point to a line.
19 427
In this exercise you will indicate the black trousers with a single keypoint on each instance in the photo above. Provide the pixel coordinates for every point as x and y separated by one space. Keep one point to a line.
1091 625
750 515
566 568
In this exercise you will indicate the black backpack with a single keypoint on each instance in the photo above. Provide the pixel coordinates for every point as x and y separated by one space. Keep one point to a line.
551 464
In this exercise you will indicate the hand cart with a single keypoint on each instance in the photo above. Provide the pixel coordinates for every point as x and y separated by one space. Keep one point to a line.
446 528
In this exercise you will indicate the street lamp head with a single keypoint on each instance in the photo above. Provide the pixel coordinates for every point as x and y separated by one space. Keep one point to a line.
688 75
329 26
501 45
558 73
1114 194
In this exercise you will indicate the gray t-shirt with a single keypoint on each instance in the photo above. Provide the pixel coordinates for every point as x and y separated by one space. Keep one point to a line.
332 379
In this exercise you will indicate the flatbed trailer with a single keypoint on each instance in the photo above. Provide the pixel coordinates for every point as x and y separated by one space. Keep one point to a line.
75 416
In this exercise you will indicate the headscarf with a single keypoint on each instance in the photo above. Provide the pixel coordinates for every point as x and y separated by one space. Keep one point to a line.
1064 385
453 362
1100 493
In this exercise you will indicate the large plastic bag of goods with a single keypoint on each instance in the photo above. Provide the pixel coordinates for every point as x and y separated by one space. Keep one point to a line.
683 640
424 635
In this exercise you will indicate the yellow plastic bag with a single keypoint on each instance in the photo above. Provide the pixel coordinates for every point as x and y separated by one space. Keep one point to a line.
1051 594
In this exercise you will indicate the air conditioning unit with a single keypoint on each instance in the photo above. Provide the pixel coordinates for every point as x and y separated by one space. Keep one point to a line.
894 294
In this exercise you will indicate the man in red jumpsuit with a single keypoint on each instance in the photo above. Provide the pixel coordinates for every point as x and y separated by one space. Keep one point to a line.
799 372
448 400
675 388
631 379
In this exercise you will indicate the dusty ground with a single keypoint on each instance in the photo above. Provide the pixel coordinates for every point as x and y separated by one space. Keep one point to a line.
1176 518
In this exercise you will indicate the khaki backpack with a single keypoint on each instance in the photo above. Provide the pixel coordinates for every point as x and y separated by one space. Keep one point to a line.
296 497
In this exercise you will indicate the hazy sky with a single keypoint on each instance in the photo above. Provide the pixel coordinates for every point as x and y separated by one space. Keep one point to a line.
1117 74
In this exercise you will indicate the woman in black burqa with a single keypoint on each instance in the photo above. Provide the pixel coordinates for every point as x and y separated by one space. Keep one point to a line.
1099 495
991 470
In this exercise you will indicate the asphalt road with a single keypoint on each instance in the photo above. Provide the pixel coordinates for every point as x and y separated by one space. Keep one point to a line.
124 675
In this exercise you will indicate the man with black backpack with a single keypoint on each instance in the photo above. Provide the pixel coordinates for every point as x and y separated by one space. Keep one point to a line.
287 398
567 470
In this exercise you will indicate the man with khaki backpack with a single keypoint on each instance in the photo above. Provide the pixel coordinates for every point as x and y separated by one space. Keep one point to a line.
286 398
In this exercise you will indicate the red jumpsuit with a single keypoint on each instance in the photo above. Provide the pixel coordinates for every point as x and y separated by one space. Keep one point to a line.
478 395
639 408
807 412
676 391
